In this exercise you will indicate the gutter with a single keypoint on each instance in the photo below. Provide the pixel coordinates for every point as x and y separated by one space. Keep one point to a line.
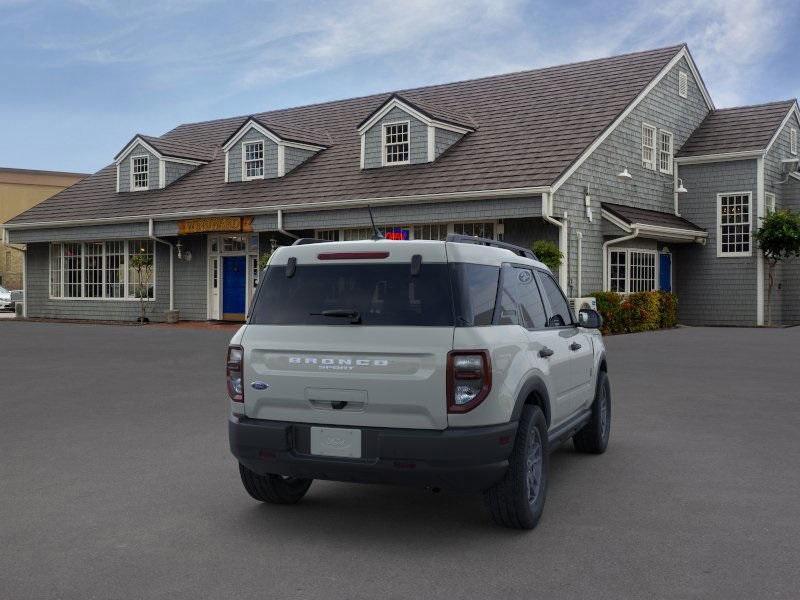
580 261
547 209
152 236
625 238
280 226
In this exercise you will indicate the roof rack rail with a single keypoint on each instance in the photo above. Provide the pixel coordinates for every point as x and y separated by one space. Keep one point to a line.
469 239
305 241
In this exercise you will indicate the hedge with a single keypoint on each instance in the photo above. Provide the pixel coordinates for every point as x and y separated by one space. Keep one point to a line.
640 311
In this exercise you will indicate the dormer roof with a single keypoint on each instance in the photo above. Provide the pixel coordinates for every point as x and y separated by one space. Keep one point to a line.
280 133
167 149
430 113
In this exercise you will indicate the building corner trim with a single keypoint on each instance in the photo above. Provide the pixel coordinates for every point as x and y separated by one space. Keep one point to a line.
758 253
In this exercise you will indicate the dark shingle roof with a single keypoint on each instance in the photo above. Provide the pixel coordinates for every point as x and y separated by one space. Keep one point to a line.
642 216
737 129
436 112
530 127
176 148
287 132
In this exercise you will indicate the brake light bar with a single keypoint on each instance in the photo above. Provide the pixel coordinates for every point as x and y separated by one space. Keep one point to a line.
351 255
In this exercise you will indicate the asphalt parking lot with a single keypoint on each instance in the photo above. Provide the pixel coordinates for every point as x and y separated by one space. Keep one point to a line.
116 482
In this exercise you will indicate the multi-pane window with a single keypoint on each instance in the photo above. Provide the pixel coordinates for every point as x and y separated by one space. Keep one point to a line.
140 166
329 235
648 146
93 269
631 271
234 243
253 160
683 84
140 275
769 199
617 262
101 270
115 269
665 152
430 232
733 224
395 143
484 230
793 140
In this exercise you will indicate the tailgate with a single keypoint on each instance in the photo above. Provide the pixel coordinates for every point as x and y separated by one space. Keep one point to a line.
339 375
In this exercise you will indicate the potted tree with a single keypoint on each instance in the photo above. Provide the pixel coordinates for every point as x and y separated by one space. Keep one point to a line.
141 264
779 240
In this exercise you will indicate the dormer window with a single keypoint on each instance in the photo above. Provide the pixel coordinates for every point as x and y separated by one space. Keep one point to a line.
140 169
396 148
253 160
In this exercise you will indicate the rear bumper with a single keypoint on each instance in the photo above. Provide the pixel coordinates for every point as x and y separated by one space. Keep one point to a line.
463 459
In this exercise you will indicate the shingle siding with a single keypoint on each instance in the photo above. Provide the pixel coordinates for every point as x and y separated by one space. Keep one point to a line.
175 170
714 290
125 169
190 290
418 139
87 233
786 287
443 139
294 157
651 190
270 156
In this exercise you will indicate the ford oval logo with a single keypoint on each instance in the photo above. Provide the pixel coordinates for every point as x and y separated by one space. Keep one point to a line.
259 385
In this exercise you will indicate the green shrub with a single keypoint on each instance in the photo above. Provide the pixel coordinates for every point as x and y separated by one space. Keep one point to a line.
669 309
641 311
548 253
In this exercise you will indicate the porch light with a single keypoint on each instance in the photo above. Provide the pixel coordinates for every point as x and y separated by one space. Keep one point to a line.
624 175
680 189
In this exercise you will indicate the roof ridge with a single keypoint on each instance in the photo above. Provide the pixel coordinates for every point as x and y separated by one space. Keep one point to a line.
772 103
676 48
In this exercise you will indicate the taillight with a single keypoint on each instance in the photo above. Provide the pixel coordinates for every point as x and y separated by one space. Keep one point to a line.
469 379
235 373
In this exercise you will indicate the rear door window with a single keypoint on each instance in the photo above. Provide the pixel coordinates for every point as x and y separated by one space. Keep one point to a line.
520 300
560 315
381 294
474 293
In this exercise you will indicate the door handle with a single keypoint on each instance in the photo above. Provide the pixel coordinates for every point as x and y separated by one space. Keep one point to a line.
575 346
545 352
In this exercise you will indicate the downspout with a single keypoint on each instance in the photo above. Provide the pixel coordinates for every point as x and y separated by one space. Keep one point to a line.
547 210
151 235
6 239
675 187
580 263
280 226
605 253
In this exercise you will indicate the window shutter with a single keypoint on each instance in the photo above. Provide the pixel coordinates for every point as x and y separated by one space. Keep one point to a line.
683 84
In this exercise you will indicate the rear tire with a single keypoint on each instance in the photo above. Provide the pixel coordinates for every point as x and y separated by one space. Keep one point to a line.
273 489
517 501
593 438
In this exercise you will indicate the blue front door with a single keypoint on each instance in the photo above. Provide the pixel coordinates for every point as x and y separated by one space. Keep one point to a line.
665 272
234 277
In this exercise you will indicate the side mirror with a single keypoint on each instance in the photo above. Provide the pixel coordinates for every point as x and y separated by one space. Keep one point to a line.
590 319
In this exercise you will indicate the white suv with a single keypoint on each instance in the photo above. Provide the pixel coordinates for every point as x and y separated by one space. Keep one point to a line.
451 364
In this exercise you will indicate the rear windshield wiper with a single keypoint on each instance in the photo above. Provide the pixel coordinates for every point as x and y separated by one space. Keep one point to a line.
344 313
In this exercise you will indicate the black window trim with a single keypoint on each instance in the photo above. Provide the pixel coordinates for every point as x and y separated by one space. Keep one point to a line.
548 307
545 301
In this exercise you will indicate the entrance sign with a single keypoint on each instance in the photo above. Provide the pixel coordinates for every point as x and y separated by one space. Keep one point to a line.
210 224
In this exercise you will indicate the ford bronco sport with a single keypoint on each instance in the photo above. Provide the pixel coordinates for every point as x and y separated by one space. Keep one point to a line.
451 364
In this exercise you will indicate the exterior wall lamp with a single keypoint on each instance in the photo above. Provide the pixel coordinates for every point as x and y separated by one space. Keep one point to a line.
624 175
680 189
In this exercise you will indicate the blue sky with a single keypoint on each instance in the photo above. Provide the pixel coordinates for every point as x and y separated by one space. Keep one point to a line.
81 77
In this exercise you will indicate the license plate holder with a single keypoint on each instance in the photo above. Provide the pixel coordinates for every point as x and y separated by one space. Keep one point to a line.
336 441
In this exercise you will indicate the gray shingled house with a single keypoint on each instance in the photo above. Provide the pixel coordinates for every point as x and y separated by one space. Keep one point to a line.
623 161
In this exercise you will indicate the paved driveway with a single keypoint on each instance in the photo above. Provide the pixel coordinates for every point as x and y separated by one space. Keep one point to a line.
116 482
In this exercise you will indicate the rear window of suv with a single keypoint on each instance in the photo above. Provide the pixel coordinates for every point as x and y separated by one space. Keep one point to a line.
440 295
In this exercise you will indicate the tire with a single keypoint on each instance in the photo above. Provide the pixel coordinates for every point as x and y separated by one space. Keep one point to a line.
517 501
274 489
593 438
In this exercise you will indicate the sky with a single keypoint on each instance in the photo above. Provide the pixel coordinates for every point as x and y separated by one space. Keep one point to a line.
81 77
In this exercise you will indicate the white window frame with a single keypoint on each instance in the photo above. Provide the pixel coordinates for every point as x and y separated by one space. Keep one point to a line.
769 202
649 164
720 253
683 84
665 156
61 271
384 146
263 160
627 251
793 140
133 159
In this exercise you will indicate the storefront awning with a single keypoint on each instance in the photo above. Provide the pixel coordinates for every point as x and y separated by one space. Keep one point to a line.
653 224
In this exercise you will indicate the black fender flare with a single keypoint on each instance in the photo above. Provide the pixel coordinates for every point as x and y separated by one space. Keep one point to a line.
534 384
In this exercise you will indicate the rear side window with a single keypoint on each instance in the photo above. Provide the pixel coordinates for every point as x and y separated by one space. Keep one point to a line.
520 300
381 294
560 314
474 293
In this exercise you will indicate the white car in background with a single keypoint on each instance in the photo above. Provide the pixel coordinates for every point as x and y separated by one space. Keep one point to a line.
6 303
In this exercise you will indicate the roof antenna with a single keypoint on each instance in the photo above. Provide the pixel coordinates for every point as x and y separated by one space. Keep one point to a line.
377 235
